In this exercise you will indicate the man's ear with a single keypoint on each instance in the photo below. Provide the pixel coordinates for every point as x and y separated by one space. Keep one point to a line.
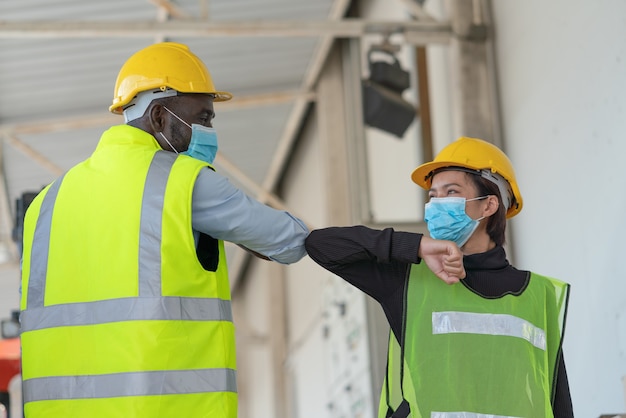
492 205
156 117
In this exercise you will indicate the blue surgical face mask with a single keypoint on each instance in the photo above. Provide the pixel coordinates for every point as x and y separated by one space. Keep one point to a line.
203 144
446 219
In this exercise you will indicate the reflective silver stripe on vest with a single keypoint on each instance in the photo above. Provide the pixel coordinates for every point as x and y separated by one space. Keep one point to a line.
465 415
151 225
130 384
127 309
488 324
41 247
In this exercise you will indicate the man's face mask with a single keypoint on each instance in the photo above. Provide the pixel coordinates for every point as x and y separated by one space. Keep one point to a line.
446 219
203 144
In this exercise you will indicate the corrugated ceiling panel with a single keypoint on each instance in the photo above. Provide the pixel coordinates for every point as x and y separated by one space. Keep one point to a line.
59 78
114 10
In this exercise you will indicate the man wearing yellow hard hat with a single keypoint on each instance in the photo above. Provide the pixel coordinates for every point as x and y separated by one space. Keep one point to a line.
472 336
125 304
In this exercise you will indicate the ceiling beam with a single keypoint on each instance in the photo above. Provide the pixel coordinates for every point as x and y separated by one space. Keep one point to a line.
34 155
424 31
105 119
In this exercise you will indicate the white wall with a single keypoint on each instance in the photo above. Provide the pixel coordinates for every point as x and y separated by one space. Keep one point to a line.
562 71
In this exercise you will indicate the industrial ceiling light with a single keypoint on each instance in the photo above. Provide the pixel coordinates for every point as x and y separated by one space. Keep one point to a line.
383 105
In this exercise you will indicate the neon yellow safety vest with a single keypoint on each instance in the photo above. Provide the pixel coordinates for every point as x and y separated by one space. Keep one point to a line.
469 356
119 317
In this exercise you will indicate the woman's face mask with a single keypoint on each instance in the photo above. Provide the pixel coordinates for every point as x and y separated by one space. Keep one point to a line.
203 144
446 219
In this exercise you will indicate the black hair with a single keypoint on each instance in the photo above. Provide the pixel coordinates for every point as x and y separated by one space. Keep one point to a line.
496 224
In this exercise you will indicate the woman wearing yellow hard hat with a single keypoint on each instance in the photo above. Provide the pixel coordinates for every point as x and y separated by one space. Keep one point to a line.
472 336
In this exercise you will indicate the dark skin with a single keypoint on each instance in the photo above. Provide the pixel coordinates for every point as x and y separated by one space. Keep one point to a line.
192 108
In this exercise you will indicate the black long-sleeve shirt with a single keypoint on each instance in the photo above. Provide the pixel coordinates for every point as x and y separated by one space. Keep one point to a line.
377 262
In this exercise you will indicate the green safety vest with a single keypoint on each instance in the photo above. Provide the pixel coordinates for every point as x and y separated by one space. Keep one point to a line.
472 357
119 317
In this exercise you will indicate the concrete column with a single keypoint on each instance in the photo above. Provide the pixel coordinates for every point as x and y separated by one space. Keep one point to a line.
475 104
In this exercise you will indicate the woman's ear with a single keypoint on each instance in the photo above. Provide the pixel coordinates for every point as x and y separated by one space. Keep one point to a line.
492 205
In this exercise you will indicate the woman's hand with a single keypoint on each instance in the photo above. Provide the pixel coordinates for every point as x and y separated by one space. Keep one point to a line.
444 258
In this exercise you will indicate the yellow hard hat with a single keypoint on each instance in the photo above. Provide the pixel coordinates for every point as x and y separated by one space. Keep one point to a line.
474 154
161 66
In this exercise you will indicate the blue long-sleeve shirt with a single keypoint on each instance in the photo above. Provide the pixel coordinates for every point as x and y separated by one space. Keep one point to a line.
225 212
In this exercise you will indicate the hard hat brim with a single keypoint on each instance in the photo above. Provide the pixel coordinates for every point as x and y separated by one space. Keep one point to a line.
422 175
220 96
